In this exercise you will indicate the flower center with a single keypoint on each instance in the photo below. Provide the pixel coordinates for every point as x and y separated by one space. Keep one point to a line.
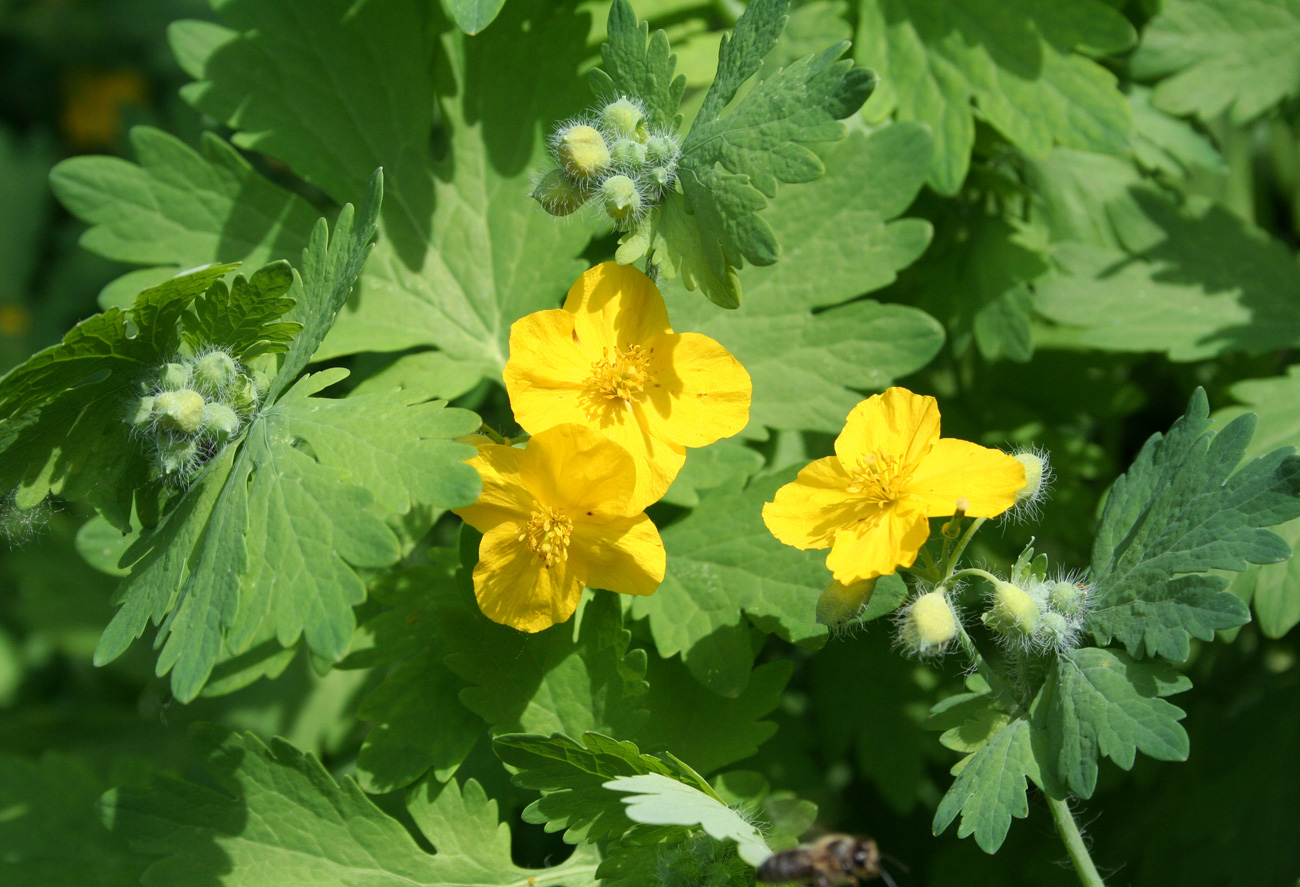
547 534
879 476
620 375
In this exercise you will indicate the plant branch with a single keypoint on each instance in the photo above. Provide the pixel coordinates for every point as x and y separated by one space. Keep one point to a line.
1068 829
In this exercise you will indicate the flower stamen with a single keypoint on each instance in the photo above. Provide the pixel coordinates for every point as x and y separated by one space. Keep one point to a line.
880 477
617 377
547 534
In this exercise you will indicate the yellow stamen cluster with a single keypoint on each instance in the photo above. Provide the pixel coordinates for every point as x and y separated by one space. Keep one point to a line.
879 476
547 534
621 375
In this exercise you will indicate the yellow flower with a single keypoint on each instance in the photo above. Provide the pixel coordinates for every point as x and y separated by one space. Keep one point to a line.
555 516
609 360
871 502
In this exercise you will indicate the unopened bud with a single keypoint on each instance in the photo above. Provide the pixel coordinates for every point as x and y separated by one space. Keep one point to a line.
627 154
582 151
558 194
625 119
660 177
841 603
141 412
1035 469
177 455
214 371
174 376
930 624
179 410
219 420
243 395
1057 631
621 198
1067 598
1013 610
661 150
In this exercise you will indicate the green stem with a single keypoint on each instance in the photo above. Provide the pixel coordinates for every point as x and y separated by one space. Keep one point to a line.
961 545
1074 845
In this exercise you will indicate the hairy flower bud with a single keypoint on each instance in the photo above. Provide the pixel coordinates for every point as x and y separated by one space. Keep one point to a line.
1012 611
219 420
179 410
621 198
174 376
929 625
140 413
625 119
1066 598
841 603
662 150
558 194
627 154
213 372
178 455
1035 469
582 151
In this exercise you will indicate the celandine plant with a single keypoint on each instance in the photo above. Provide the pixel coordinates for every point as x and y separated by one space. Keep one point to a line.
554 517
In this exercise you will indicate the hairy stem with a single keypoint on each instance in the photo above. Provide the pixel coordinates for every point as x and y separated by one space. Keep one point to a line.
961 545
1068 829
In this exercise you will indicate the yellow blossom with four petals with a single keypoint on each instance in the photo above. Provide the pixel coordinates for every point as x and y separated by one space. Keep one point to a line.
555 516
609 360
871 502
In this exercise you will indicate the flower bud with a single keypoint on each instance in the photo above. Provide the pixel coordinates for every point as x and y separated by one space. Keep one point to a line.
1057 631
1013 611
141 412
625 119
621 198
582 151
177 455
661 150
174 376
660 177
1066 598
840 603
930 624
243 395
214 371
1037 474
179 410
627 154
219 420
558 194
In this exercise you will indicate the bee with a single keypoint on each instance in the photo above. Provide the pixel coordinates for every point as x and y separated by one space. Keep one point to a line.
831 861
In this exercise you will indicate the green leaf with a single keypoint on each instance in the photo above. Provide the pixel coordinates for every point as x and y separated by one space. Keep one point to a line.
1212 56
1273 590
1025 64
1194 281
463 252
1179 511
726 573
63 410
276 809
701 728
50 830
571 776
656 799
719 464
179 208
639 64
242 319
1106 703
472 16
731 162
990 787
1166 144
810 349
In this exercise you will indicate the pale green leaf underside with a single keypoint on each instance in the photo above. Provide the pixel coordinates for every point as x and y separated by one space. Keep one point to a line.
472 16
1024 64
991 785
655 799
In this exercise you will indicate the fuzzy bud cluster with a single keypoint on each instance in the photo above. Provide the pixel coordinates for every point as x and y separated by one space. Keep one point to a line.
928 625
611 160
189 408
1037 615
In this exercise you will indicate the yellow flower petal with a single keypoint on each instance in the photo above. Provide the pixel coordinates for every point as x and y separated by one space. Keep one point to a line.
615 306
896 423
515 587
504 497
879 543
547 370
988 479
811 509
700 393
575 468
624 555
657 461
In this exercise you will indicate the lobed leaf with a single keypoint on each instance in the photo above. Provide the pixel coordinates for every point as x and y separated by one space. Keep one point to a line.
637 63
1181 511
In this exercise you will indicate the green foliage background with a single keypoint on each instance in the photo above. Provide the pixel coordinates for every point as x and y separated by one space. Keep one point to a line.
1059 218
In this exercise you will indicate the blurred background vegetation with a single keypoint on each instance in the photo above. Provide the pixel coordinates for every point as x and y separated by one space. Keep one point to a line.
75 75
